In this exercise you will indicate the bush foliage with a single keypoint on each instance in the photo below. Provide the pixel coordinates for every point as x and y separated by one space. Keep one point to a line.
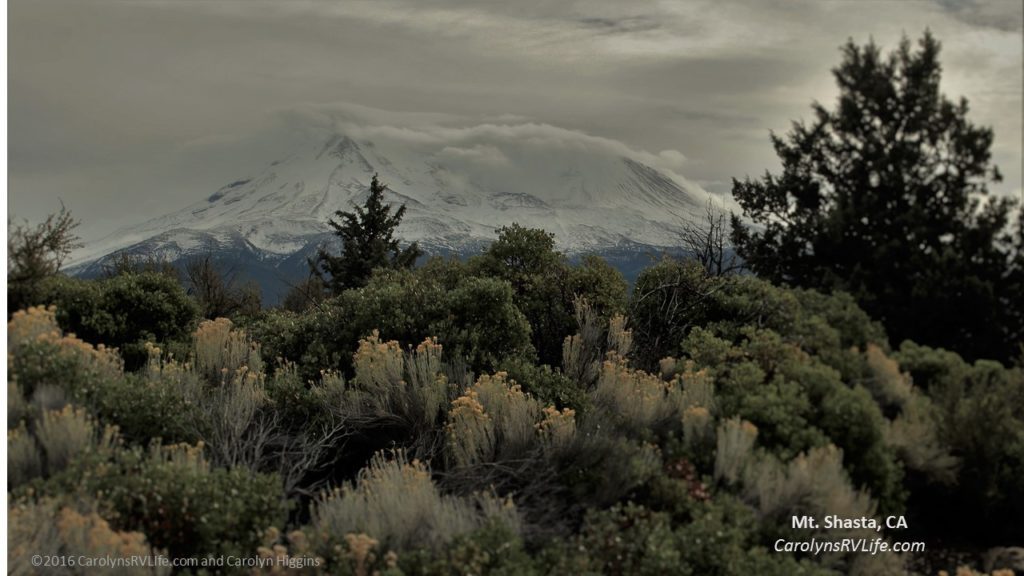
415 426
123 311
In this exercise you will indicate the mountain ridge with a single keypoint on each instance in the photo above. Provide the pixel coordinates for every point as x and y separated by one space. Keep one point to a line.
455 198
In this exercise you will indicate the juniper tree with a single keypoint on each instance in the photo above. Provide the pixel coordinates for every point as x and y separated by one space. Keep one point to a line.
886 197
368 242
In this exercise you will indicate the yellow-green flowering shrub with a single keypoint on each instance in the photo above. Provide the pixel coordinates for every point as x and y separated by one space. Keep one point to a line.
392 383
395 502
49 444
40 353
24 460
812 483
637 401
49 369
64 434
293 554
221 350
46 529
734 451
889 386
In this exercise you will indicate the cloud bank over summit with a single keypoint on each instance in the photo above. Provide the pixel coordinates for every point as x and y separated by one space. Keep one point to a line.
124 110
483 141
498 152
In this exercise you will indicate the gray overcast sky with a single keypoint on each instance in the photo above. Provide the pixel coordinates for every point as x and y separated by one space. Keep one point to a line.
128 109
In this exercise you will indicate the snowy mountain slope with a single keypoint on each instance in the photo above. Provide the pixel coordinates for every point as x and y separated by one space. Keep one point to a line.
456 199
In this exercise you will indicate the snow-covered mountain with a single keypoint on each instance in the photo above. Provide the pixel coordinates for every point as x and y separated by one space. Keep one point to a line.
456 199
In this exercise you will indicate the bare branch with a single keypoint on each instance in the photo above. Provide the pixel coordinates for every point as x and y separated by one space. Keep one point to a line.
707 241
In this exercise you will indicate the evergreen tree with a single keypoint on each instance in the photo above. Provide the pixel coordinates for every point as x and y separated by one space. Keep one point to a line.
368 242
886 197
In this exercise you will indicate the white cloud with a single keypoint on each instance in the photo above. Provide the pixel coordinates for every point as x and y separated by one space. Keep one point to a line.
480 153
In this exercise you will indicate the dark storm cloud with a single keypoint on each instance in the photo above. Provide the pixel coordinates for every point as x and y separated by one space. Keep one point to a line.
1002 15
627 25
125 110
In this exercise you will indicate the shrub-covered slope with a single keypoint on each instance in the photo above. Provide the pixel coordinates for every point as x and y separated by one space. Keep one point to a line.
423 424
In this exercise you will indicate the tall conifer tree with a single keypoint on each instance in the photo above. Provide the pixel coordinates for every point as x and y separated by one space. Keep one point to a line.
886 197
368 242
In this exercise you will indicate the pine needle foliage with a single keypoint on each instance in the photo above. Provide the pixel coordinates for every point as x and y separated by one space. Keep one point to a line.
368 240
886 197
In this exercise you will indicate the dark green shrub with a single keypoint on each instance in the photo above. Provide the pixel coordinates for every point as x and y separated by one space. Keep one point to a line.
549 386
599 469
144 409
629 540
146 307
301 339
798 402
80 307
474 319
494 550
718 538
840 312
674 297
469 307
854 422
182 504
721 536
482 325
44 361
668 300
600 284
545 285
123 311
539 276
981 418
